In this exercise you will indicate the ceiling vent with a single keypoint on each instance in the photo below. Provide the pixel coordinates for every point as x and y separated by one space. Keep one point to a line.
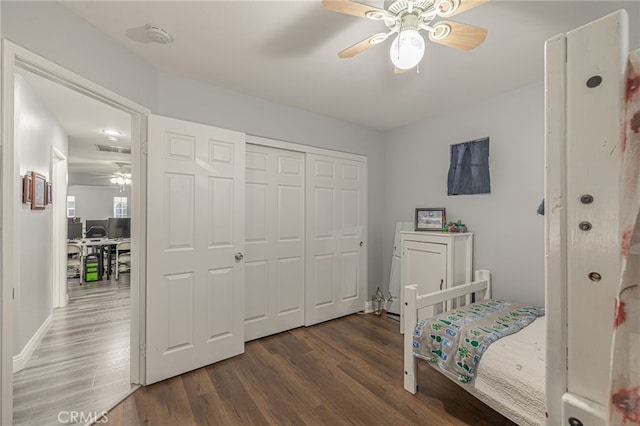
116 149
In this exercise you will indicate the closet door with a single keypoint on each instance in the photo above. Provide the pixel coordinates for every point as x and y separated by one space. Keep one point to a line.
336 226
274 262
195 240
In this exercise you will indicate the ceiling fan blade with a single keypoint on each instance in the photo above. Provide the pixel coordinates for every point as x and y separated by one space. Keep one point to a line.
351 8
464 5
363 45
460 36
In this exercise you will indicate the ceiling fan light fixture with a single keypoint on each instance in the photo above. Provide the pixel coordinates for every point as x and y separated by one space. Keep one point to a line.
112 132
407 49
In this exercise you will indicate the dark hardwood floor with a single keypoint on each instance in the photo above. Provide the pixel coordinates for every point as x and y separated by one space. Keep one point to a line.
345 371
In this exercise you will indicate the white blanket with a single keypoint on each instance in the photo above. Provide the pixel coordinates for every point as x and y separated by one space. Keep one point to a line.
511 376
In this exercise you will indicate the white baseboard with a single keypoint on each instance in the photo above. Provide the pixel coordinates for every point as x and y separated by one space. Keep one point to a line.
20 360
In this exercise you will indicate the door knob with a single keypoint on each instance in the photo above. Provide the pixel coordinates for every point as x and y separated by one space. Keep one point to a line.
361 243
239 256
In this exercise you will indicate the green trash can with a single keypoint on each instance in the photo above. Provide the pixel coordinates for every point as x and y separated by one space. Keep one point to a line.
91 268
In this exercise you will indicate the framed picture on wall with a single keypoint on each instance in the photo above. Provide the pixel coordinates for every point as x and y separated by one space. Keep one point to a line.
26 188
430 219
49 194
38 191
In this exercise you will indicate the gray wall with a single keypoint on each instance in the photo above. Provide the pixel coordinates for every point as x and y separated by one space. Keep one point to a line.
59 35
509 235
96 202
35 131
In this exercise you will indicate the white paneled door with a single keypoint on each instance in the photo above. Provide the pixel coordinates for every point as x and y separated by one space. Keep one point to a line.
336 250
274 262
195 244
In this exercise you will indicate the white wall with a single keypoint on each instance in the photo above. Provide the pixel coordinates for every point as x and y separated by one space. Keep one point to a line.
35 132
96 202
509 236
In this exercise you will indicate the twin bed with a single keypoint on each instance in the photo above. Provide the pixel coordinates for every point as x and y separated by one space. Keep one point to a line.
511 374
551 371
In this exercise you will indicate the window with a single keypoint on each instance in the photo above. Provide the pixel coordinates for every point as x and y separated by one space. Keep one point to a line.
71 206
120 207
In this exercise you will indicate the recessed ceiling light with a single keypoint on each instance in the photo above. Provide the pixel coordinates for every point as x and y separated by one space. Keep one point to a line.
112 132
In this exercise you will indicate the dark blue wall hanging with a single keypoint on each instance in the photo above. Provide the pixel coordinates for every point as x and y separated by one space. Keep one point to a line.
469 169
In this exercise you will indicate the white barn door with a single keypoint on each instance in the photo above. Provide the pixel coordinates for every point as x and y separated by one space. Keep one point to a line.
195 240
274 262
336 226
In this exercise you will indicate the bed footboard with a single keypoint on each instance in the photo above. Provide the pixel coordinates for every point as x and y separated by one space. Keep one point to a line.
414 302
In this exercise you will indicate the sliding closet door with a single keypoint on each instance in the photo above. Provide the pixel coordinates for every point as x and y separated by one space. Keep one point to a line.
274 262
195 240
336 226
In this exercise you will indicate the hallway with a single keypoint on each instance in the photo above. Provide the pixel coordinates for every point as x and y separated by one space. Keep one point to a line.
82 363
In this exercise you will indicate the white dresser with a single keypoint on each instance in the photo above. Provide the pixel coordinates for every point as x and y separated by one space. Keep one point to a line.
435 261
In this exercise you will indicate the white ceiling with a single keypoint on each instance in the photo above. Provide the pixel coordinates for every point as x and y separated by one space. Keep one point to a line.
83 119
286 52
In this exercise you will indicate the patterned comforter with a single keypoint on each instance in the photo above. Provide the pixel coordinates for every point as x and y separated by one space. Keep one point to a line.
456 340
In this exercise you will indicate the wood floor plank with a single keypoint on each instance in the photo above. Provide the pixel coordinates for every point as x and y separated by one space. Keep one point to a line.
237 400
198 383
82 362
343 372
279 402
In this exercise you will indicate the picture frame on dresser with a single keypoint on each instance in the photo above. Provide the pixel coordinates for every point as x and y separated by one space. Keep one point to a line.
430 219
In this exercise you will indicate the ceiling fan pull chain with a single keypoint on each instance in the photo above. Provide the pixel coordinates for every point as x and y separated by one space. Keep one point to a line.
399 34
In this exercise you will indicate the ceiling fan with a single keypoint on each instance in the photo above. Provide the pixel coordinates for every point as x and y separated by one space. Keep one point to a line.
120 176
407 18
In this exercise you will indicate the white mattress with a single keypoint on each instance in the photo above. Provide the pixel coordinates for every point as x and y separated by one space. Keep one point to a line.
511 375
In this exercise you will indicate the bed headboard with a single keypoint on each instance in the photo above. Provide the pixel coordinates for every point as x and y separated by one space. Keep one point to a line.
584 103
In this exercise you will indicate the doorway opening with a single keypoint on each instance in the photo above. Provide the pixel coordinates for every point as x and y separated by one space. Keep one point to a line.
38 328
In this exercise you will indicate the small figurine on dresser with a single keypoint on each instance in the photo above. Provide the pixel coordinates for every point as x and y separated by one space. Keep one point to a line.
455 226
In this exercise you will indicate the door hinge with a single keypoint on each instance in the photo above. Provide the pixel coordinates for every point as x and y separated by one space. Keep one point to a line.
143 350
144 146
13 293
